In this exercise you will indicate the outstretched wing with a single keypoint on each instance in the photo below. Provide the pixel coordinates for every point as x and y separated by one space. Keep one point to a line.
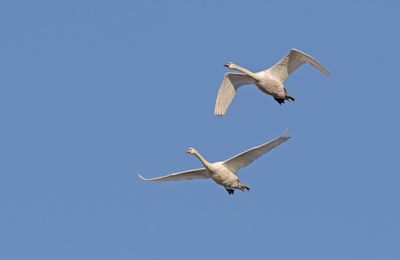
291 62
200 173
227 90
247 157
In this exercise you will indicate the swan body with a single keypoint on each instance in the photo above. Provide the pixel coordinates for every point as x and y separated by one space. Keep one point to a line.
269 81
223 173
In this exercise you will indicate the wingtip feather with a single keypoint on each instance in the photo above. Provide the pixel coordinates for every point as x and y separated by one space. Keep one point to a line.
218 113
286 134
323 70
142 178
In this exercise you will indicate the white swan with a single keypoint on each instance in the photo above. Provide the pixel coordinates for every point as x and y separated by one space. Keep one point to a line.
269 81
223 173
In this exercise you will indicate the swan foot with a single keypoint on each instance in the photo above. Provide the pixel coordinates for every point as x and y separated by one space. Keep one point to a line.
289 98
243 187
230 191
282 100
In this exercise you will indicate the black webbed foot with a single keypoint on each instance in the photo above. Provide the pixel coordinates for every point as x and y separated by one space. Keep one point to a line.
230 191
280 100
290 98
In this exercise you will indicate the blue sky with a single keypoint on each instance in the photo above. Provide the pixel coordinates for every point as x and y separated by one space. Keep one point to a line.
94 92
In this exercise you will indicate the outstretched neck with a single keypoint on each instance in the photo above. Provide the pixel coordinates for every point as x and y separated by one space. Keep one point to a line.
201 158
243 70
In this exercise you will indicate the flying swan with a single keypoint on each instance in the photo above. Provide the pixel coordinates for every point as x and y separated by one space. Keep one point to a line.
269 81
223 173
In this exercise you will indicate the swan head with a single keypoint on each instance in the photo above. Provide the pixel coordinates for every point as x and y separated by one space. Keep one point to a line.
228 65
190 150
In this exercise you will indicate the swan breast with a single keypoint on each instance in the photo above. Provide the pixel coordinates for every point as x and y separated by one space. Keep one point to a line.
221 174
270 85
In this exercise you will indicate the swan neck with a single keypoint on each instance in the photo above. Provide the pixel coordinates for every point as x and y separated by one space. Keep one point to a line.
201 158
243 70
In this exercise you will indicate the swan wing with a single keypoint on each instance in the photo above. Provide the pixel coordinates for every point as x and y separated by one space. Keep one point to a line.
200 173
247 157
291 62
227 90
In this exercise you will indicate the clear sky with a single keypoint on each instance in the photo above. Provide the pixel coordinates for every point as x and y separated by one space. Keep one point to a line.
94 92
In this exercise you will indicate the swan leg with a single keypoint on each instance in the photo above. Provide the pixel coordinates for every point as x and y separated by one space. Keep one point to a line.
230 191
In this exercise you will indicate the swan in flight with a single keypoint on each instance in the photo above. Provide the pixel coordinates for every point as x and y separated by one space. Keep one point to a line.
269 81
223 173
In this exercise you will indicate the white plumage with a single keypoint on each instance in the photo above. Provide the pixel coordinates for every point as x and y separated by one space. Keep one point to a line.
269 81
225 172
